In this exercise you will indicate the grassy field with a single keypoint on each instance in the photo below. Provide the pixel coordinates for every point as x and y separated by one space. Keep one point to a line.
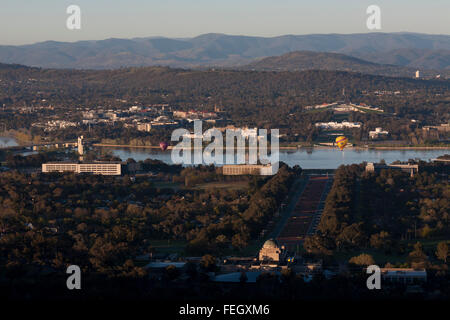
379 257
169 246
178 246
382 258
229 185
167 185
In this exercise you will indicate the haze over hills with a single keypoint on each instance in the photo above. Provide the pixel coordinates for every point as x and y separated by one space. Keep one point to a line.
411 49
308 60
415 58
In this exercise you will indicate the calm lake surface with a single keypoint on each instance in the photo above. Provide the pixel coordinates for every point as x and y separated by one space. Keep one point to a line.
307 159
8 142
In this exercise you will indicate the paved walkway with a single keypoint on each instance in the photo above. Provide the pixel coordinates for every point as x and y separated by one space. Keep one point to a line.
294 195
304 211
318 214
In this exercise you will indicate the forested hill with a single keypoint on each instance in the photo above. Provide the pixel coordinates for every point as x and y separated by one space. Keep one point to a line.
198 84
308 60
245 95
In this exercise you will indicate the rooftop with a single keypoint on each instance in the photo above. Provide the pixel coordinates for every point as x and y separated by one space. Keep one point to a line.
270 244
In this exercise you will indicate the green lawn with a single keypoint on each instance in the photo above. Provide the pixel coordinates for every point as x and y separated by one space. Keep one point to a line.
381 258
230 185
167 185
169 246
318 110
178 246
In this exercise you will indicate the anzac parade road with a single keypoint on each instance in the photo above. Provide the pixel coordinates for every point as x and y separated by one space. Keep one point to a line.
303 213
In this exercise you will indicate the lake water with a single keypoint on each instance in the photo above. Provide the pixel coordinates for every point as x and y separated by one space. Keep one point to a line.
307 159
8 142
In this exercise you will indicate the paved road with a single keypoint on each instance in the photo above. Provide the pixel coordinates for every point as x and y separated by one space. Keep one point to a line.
318 214
304 211
296 192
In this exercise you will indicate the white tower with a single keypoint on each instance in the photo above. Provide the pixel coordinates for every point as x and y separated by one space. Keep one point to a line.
417 74
80 146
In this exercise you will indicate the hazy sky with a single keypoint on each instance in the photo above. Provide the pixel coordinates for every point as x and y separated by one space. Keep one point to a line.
29 21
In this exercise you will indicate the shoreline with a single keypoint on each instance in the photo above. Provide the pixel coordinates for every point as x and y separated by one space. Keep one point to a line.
103 145
410 148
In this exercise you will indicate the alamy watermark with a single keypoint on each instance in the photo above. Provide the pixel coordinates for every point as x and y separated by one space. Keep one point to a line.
374 20
374 280
190 150
74 280
73 22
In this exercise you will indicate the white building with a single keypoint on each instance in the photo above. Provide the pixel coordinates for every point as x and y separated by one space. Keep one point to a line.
111 115
134 109
376 167
248 169
378 132
144 127
243 132
417 74
338 125
102 168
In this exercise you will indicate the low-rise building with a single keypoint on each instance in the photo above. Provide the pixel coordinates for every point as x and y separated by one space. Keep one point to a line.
377 132
376 167
271 252
403 275
144 127
248 169
445 127
338 125
102 168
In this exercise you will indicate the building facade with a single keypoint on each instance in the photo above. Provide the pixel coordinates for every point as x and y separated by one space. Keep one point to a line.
377 132
404 275
247 169
102 168
270 251
376 167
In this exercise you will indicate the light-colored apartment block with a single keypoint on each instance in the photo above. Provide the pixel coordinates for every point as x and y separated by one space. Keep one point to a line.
102 168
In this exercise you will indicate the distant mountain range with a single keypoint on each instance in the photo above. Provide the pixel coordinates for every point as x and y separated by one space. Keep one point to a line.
403 49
